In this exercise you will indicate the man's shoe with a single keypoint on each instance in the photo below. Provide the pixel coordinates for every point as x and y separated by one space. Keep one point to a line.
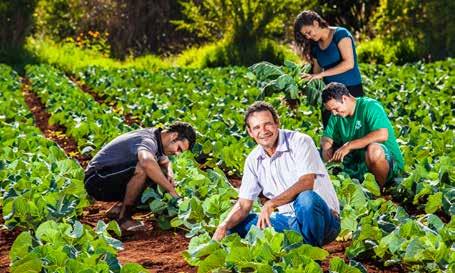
130 225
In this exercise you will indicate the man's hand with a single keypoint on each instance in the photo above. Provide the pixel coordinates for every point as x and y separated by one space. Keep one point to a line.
341 152
174 193
327 154
264 217
220 233
171 180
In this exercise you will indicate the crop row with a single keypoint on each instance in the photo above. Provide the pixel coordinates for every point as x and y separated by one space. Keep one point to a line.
88 122
42 193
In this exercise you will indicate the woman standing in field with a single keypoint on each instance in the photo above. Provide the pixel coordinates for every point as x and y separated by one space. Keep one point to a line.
330 50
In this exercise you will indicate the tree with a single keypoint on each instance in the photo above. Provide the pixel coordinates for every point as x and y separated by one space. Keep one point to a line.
134 26
354 14
16 22
239 21
426 25
58 19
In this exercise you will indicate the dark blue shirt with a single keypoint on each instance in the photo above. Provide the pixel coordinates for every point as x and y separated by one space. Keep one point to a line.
331 56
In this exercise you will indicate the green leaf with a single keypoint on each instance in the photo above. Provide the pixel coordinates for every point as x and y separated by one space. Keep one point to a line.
390 243
312 252
239 254
65 206
78 230
337 265
370 184
176 222
28 264
21 246
100 227
48 231
113 242
113 263
148 194
113 226
265 70
133 268
434 203
292 239
157 206
212 262
435 223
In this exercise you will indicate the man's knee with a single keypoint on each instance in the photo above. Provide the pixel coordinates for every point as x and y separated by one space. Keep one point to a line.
306 200
374 153
139 172
244 226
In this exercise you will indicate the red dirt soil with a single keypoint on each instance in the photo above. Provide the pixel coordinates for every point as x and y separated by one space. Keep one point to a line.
52 132
158 251
6 241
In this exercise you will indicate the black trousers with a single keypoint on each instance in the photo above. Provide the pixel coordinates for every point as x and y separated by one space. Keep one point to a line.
355 90
109 182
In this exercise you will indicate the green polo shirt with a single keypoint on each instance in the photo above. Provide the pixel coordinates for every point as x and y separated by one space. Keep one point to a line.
369 116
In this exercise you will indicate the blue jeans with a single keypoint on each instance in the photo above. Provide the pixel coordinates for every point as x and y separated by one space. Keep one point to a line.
313 219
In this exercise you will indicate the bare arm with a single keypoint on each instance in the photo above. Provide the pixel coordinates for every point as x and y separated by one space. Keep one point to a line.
379 135
316 68
166 164
347 59
327 148
152 169
306 182
238 213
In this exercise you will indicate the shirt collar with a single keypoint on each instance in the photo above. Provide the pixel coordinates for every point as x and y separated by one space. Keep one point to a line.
283 146
159 142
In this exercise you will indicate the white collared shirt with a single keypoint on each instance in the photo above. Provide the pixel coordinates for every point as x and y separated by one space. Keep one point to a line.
295 156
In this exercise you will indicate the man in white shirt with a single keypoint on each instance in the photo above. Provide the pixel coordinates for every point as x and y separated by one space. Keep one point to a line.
287 169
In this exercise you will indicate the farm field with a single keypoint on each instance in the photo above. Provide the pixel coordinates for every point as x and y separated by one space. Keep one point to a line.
52 122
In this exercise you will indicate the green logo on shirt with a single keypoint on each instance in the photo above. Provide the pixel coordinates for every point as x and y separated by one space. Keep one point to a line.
358 125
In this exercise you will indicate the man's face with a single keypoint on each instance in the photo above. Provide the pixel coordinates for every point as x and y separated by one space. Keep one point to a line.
176 147
338 108
263 129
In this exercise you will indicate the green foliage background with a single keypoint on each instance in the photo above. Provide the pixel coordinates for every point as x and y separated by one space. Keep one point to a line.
229 32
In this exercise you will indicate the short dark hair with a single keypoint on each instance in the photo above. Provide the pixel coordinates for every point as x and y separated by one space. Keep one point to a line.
334 90
184 131
260 106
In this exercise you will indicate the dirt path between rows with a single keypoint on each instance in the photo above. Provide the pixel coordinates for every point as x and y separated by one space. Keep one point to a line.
158 251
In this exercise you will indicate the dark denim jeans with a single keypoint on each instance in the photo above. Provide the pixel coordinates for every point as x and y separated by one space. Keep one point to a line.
313 219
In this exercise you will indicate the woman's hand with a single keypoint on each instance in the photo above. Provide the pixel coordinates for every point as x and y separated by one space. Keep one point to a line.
317 76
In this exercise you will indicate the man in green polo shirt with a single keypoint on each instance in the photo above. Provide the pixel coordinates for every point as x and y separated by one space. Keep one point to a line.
360 134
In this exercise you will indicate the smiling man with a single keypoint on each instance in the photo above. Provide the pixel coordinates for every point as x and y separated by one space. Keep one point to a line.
360 134
287 169
123 168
